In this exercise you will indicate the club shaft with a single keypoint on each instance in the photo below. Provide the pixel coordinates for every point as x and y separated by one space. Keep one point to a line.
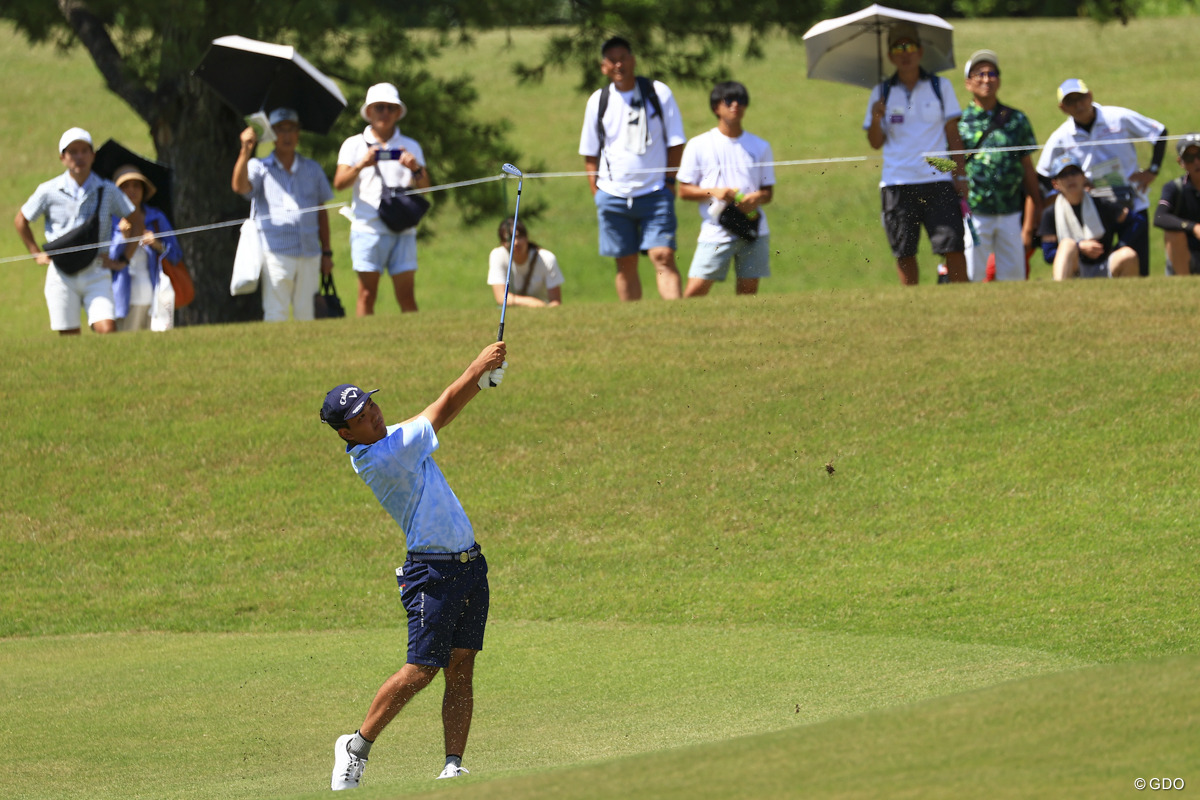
512 240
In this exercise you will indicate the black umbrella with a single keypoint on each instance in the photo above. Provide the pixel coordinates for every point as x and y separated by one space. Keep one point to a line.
113 155
254 76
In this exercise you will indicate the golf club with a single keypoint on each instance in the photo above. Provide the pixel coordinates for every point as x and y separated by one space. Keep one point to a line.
512 240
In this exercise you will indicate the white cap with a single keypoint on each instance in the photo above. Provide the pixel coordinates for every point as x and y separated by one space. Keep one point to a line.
282 114
73 135
383 93
981 57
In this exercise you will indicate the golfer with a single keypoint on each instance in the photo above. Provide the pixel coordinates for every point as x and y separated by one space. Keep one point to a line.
443 583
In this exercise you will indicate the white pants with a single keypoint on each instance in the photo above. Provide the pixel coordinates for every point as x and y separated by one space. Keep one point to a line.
67 295
289 280
999 234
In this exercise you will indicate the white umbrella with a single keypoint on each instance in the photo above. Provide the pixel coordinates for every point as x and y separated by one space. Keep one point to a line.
853 49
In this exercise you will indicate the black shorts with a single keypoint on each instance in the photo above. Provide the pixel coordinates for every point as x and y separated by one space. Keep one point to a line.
447 605
935 205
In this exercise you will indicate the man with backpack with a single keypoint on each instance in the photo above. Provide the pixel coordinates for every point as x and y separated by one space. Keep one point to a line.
1004 194
909 115
632 142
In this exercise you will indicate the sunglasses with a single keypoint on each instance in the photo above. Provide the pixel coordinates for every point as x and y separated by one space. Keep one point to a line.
905 47
985 73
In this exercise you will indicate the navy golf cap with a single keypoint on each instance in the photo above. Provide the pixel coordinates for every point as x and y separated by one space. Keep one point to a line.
344 403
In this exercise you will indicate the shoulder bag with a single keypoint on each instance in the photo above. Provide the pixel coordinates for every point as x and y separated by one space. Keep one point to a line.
80 236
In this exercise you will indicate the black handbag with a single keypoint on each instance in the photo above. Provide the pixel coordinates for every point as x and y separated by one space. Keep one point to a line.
86 234
326 303
398 209
736 222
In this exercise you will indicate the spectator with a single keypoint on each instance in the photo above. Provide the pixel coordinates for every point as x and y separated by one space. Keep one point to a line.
295 245
909 115
1098 136
381 154
633 126
725 166
1003 190
1078 230
536 279
135 285
1178 211
76 198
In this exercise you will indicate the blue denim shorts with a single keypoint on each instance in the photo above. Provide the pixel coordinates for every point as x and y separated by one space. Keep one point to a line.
447 605
389 252
711 261
629 226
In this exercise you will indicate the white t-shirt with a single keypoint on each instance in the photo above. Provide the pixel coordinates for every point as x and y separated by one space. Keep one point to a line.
546 274
619 166
1105 161
713 159
363 211
914 125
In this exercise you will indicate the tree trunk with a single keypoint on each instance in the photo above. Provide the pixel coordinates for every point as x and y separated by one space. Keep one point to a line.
197 136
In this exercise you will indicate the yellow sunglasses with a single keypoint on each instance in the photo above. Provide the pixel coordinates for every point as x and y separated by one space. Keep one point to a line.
905 47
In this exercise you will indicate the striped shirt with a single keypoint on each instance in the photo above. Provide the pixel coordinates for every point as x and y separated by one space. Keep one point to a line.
278 195
67 205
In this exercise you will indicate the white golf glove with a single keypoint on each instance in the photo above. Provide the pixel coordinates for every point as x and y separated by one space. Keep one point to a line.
493 378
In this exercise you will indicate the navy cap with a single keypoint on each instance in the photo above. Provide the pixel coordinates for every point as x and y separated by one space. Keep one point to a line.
344 403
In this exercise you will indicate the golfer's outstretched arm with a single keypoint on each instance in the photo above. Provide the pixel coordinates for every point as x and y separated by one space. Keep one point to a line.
443 410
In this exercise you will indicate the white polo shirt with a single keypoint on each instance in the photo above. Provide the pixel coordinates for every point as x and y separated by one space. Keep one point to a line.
619 167
1106 159
713 159
914 124
363 211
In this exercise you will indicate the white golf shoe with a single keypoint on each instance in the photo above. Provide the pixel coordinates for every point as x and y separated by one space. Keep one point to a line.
347 768
452 771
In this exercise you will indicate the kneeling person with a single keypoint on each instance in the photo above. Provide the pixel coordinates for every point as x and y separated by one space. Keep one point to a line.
443 583
726 166
1078 230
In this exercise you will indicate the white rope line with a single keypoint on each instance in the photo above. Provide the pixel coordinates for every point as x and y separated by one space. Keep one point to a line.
583 174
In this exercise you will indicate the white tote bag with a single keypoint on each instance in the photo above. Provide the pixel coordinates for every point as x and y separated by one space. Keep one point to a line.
162 310
247 264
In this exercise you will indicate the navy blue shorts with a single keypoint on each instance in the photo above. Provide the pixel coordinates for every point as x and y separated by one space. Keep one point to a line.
447 605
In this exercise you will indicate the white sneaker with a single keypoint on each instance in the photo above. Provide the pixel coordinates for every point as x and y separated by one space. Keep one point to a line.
347 768
452 771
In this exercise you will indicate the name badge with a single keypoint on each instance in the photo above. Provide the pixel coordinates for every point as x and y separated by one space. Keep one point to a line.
895 119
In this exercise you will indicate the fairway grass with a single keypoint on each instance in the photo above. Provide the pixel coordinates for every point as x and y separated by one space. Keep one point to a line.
255 715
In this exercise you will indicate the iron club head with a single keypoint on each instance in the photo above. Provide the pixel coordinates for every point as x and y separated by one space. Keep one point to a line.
512 170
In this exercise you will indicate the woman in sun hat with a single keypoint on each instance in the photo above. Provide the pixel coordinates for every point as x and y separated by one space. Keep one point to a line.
137 283
380 156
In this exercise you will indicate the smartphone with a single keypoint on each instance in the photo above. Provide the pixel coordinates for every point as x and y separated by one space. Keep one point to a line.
389 155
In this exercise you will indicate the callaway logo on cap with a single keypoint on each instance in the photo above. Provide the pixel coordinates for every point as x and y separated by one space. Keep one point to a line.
344 403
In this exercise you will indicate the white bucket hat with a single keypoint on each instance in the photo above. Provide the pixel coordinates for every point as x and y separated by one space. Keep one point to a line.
383 93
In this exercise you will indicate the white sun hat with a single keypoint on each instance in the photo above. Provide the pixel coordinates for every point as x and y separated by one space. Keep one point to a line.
383 93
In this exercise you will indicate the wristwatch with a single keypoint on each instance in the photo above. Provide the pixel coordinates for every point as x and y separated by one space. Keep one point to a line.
1152 169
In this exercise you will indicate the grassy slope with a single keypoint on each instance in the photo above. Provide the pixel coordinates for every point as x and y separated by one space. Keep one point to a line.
1015 472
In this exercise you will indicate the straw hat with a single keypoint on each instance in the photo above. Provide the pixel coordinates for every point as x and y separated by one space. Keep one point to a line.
129 173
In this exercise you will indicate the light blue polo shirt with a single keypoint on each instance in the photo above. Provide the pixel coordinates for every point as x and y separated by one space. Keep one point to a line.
67 205
400 470
278 195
